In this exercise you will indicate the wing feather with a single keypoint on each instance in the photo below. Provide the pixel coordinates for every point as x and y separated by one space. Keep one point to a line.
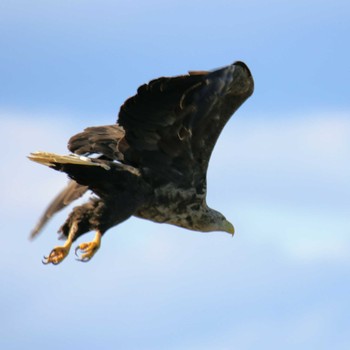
173 123
69 194
106 141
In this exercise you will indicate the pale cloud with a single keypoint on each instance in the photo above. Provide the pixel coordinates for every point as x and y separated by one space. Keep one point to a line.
299 152
314 250
286 181
299 329
314 142
146 272
27 185
304 151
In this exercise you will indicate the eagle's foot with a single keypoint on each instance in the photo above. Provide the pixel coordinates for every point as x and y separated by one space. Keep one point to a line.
89 249
57 254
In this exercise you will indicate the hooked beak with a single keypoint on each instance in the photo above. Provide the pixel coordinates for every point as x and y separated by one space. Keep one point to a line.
229 228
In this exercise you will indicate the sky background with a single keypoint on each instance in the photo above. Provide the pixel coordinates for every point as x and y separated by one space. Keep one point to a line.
280 172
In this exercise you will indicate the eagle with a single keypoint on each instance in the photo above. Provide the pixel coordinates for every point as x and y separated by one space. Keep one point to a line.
152 163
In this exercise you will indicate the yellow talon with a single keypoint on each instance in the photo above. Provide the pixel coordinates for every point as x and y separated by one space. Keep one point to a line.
57 254
89 249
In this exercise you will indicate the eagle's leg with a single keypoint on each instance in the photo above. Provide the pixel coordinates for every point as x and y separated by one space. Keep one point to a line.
57 254
89 249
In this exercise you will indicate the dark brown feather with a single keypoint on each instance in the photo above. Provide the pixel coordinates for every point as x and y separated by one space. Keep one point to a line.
69 194
102 140
172 124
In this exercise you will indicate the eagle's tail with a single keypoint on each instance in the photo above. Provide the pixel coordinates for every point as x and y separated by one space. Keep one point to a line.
101 175
56 161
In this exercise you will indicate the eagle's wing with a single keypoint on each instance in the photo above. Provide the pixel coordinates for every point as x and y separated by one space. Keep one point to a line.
156 121
107 141
172 124
69 194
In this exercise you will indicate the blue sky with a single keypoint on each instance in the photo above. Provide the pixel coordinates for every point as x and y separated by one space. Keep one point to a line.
279 172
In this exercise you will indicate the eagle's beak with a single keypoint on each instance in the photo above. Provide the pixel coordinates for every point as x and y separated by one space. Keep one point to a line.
229 228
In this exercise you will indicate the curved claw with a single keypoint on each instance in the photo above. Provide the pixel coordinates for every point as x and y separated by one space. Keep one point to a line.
56 255
88 249
76 252
47 261
85 257
84 260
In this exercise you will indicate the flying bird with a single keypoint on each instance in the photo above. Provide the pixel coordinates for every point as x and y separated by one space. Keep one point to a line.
152 163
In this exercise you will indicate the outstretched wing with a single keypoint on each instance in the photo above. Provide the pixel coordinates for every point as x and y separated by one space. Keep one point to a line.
172 124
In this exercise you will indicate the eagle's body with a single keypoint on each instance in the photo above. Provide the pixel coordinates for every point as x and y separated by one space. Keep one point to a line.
152 164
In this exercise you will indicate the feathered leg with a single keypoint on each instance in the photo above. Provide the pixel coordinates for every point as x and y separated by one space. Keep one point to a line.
96 216
80 221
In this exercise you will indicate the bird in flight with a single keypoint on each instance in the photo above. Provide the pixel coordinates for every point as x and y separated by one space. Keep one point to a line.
152 163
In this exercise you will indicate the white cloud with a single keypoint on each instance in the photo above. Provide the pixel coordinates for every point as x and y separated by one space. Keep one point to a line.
317 143
314 250
27 184
286 180
274 174
296 330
